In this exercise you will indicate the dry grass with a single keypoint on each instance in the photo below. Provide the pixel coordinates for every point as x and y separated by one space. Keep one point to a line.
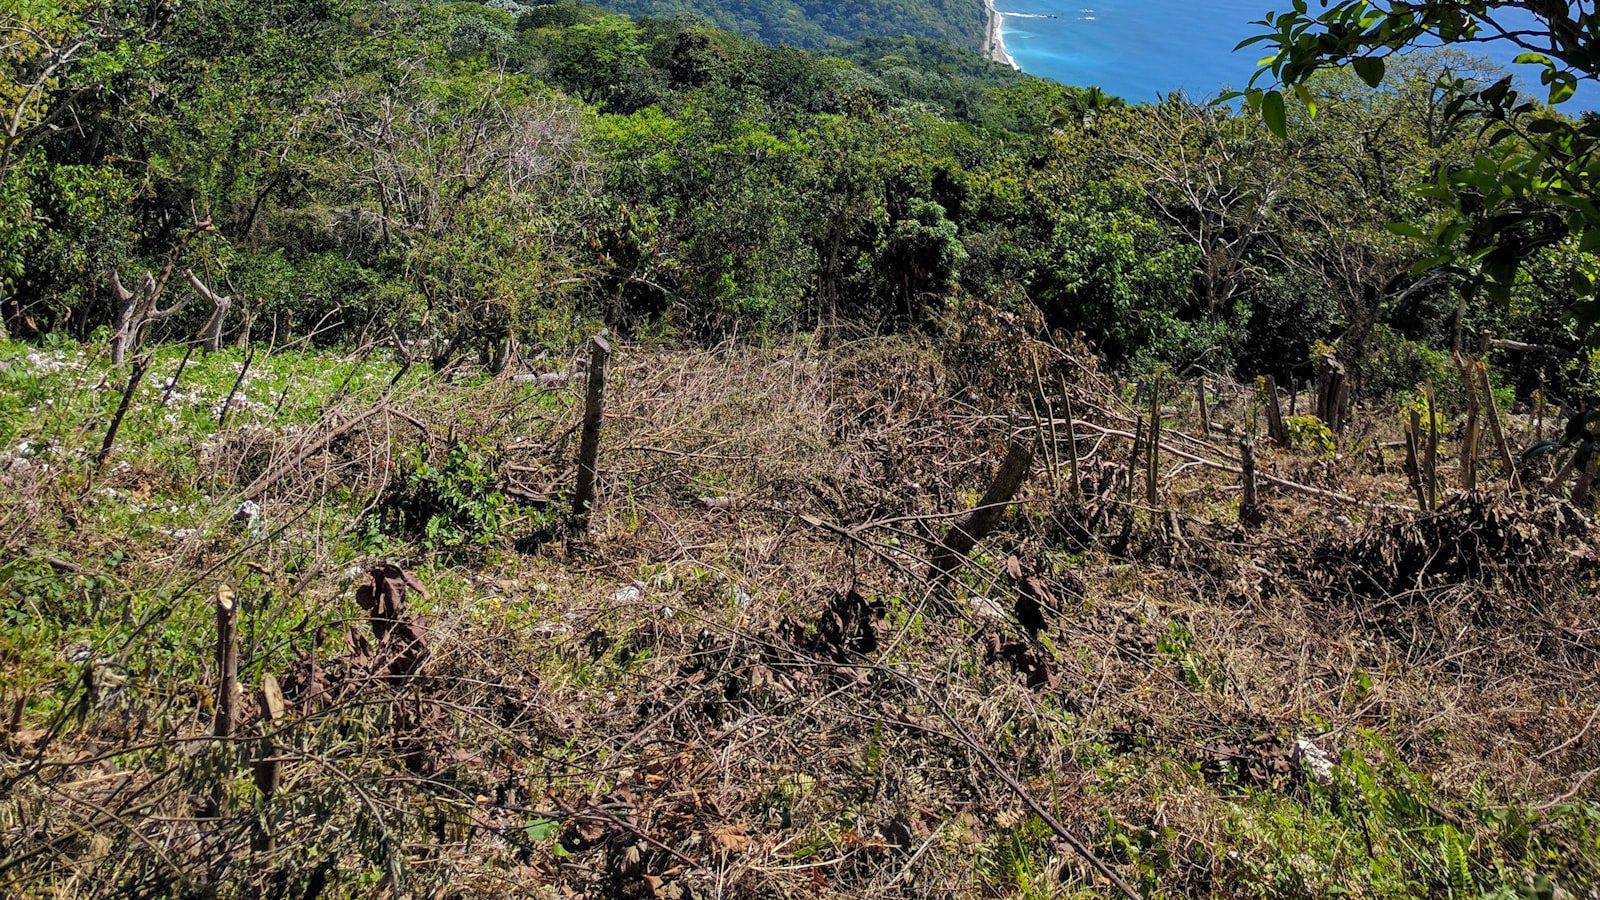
744 686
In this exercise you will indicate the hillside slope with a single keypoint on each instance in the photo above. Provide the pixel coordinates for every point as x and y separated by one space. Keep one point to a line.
743 682
810 23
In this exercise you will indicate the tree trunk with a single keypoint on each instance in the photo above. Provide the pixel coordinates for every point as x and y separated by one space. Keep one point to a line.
982 519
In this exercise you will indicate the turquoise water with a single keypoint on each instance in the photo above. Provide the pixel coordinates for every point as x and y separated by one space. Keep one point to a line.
1138 49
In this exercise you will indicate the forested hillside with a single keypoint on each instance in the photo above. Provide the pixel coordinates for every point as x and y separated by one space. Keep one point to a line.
510 449
465 176
959 23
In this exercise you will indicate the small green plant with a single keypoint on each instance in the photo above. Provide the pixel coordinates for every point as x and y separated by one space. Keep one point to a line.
1015 859
1309 433
1381 829
451 503
1178 645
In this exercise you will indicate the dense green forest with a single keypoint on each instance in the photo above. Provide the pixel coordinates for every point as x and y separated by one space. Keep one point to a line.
813 24
465 174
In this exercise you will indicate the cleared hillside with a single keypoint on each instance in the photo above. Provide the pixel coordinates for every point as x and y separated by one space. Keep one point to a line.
746 681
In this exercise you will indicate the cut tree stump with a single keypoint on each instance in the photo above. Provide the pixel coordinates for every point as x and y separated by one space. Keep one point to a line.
1332 393
227 662
977 524
266 769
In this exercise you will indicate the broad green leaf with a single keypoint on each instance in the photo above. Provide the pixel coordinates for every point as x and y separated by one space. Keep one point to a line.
1274 114
1370 69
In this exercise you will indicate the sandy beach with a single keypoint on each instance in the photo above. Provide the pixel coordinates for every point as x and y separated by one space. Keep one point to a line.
994 45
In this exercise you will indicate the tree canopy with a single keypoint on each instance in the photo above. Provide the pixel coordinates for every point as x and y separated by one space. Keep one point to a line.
1535 183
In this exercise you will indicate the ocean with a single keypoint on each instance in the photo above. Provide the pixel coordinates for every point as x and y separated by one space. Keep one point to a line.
1140 49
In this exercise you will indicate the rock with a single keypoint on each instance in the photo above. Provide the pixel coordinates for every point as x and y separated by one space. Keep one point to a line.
247 515
1318 764
987 608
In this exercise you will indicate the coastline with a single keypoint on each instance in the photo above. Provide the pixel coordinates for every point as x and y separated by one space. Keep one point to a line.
994 43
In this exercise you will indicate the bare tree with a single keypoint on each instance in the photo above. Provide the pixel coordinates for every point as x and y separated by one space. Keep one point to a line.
424 165
211 331
136 307
1214 182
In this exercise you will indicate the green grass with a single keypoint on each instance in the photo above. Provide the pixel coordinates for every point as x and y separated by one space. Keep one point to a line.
102 568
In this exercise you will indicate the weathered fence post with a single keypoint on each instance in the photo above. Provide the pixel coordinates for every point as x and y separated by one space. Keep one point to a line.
976 524
594 412
1275 429
1205 408
1250 502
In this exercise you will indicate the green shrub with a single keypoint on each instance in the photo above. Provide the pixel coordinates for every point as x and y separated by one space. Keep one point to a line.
1309 433
1381 829
1393 366
448 504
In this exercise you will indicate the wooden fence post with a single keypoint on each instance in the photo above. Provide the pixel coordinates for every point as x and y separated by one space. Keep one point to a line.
1275 429
594 412
1205 408
973 527
1250 502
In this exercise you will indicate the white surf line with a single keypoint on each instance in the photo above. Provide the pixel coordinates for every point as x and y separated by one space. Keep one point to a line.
997 36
